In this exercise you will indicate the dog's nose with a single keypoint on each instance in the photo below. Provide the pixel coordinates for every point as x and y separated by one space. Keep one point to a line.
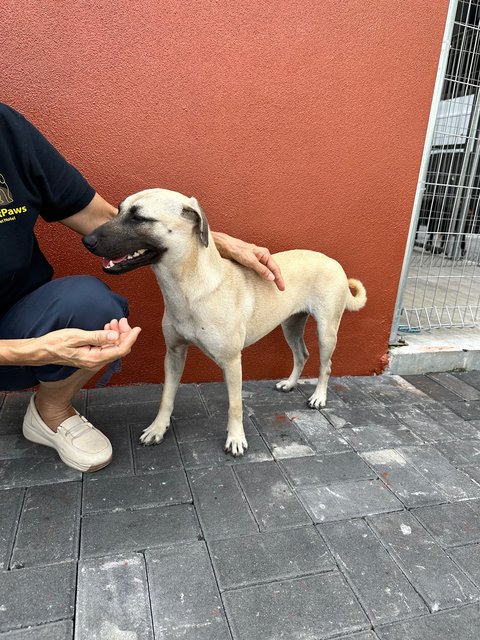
90 241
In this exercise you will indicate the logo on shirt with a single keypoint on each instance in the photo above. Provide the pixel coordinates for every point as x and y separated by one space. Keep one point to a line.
5 193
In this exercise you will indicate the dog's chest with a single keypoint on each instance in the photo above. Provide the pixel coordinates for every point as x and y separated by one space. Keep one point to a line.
197 328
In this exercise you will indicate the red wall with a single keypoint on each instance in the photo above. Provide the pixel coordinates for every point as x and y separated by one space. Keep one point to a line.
296 124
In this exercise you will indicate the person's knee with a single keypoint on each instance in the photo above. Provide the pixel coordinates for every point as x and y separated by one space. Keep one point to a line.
88 303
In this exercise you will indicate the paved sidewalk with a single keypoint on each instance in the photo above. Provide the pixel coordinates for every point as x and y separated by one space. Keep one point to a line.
360 522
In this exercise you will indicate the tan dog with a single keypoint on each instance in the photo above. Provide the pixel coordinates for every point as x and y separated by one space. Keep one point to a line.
218 305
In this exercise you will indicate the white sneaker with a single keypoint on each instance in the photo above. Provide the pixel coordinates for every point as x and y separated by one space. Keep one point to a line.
77 442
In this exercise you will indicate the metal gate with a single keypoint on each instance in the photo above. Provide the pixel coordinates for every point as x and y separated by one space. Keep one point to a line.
440 283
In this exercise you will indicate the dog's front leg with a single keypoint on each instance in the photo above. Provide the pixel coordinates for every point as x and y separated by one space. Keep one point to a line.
236 441
174 364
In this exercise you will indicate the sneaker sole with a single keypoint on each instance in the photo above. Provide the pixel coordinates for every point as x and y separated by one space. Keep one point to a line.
33 436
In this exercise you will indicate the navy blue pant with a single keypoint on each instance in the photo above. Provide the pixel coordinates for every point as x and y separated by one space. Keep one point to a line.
78 302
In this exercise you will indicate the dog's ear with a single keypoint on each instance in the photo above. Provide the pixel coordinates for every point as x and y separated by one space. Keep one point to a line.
194 212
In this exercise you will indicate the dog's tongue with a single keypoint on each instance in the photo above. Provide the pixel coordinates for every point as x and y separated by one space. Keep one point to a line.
106 261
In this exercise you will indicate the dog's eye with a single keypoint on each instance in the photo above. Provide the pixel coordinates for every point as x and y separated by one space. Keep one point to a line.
136 218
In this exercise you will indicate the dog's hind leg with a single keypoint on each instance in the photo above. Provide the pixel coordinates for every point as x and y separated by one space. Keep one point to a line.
174 364
293 329
236 441
327 329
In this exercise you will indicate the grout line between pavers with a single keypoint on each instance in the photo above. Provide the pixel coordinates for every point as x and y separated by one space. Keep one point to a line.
149 593
15 536
220 595
297 576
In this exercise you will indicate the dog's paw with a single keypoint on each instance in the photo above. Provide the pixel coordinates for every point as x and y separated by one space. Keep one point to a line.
236 446
317 401
153 435
284 385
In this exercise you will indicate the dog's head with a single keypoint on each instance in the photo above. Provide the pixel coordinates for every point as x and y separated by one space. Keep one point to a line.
148 225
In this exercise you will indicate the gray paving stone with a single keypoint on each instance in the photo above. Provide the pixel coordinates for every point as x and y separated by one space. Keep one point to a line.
35 596
455 484
208 453
452 524
121 415
431 388
221 506
421 423
390 389
124 531
314 607
344 500
457 426
135 492
206 428
319 434
403 479
466 410
350 393
154 458
27 472
214 396
461 452
112 599
468 558
326 469
49 526
456 624
184 596
128 395
189 402
473 472
265 557
10 505
16 446
379 437
381 587
432 573
370 415
452 383
264 392
273 503
62 630
281 434
12 412
471 378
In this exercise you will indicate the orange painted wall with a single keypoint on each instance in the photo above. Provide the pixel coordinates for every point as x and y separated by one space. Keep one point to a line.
296 124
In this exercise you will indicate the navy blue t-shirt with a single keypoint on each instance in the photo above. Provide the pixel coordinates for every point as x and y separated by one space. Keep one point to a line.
35 180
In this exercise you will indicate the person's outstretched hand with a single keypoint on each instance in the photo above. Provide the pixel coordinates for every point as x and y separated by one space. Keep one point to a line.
87 349
249 255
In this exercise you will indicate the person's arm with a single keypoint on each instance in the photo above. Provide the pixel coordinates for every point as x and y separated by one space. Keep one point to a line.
249 255
72 347
92 216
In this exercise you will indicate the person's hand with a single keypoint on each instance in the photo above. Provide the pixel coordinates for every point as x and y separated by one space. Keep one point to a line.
249 255
88 349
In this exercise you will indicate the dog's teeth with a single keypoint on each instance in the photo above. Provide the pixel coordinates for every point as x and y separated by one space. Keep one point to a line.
110 264
141 252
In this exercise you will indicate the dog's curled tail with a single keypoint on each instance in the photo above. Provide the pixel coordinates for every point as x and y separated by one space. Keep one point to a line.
357 295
